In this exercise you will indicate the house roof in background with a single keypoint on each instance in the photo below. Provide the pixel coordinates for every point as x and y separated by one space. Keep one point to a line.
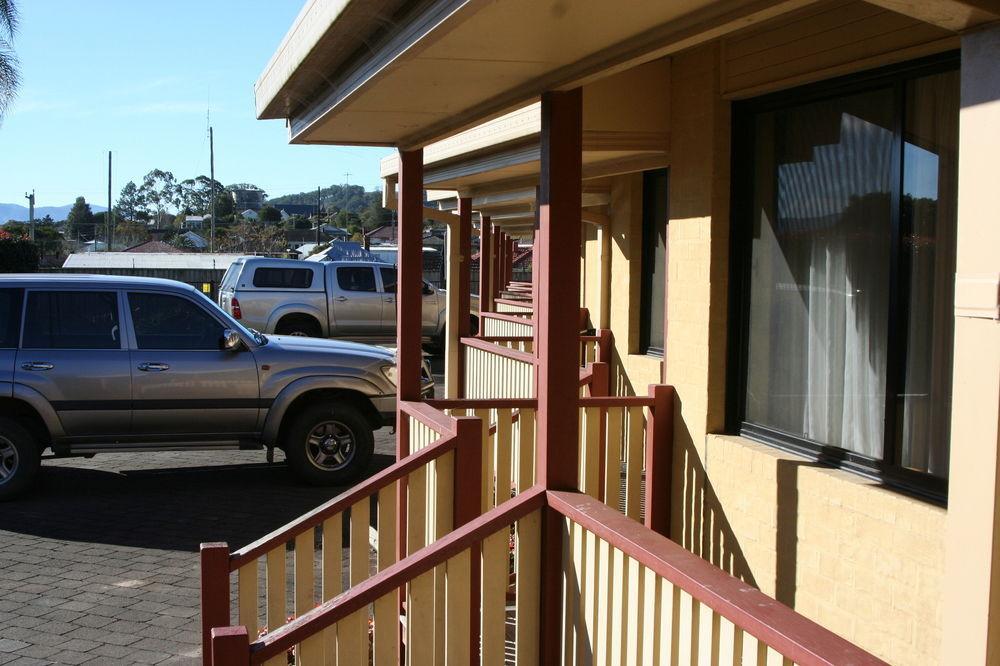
153 246
195 260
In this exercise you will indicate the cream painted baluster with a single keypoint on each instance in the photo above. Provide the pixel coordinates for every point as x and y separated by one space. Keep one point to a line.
352 645
444 492
310 650
613 459
526 450
591 451
354 628
633 474
247 597
592 591
495 576
603 621
333 577
504 444
633 613
420 620
487 477
651 610
619 599
276 603
527 566
458 593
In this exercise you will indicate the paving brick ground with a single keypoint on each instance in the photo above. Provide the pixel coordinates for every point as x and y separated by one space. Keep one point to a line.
99 564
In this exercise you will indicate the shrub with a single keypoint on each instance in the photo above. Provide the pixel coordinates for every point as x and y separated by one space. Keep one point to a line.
17 254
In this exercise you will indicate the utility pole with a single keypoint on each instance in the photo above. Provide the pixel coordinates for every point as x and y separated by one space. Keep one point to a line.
318 204
347 179
108 215
211 160
31 213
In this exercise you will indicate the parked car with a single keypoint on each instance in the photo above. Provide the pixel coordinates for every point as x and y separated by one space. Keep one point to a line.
351 299
92 364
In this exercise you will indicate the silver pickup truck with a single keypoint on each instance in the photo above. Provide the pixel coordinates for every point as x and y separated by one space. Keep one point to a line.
333 299
92 364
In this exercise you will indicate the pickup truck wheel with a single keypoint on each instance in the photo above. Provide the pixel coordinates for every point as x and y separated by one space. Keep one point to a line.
305 327
19 458
330 444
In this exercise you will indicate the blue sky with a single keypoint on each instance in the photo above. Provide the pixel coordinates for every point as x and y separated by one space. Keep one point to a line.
137 77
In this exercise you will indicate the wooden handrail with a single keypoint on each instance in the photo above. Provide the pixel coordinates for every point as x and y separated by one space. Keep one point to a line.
507 338
514 302
524 318
618 401
345 500
395 575
432 418
515 354
796 637
483 403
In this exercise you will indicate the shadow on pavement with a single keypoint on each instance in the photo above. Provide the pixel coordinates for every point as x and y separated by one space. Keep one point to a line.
164 508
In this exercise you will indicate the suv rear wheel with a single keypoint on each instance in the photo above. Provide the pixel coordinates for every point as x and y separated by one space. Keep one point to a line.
19 458
330 444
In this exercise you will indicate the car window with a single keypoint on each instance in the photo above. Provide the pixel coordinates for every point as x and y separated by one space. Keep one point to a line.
162 321
389 279
232 273
10 317
72 320
283 278
356 278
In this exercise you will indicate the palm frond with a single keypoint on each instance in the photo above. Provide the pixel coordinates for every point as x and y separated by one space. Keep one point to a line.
10 78
8 18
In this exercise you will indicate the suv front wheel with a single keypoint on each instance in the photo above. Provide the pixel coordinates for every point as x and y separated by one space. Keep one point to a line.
330 444
19 458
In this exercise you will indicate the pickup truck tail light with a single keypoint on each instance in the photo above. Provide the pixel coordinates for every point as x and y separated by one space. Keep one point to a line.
234 305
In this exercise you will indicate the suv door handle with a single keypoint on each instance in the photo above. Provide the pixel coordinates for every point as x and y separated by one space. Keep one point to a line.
37 365
153 367
340 299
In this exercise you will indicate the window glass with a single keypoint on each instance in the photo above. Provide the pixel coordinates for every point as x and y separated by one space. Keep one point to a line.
356 278
283 278
654 259
389 280
930 171
72 320
162 321
229 279
10 317
844 190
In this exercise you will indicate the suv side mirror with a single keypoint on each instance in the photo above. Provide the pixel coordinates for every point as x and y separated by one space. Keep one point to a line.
231 340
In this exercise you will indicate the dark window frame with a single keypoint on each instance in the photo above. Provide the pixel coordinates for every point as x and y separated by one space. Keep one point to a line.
887 470
650 227
370 269
59 289
206 311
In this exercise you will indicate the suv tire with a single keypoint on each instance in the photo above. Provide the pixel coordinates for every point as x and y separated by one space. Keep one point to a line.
19 458
330 444
300 326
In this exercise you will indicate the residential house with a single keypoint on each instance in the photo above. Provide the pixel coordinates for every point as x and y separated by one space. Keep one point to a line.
777 216
196 221
249 214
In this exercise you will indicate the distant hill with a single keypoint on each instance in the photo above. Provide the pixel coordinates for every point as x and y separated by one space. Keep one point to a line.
352 198
20 213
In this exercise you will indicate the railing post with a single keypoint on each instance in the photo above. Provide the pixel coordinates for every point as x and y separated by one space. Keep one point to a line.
230 646
606 337
485 269
214 594
659 459
468 491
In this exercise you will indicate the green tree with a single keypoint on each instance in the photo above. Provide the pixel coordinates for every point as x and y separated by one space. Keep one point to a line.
269 214
195 194
80 221
130 202
17 254
10 77
159 192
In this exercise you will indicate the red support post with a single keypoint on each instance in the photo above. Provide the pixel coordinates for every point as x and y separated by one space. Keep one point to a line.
485 268
495 243
512 250
468 498
214 594
659 459
230 646
557 335
409 301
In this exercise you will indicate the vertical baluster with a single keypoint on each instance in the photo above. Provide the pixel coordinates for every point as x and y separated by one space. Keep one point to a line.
570 594
495 576
420 620
504 444
247 594
386 543
458 595
634 622
633 473
579 541
352 638
651 611
528 583
385 643
603 582
613 458
444 520
416 505
591 460
305 591
332 577
487 479
276 604
526 466
619 613
592 591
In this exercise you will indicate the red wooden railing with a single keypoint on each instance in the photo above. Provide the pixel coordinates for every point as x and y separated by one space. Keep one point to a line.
630 596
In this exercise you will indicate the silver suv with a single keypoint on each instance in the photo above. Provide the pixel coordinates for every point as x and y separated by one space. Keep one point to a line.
92 364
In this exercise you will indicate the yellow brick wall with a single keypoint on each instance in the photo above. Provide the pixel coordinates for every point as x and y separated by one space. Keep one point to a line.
864 561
